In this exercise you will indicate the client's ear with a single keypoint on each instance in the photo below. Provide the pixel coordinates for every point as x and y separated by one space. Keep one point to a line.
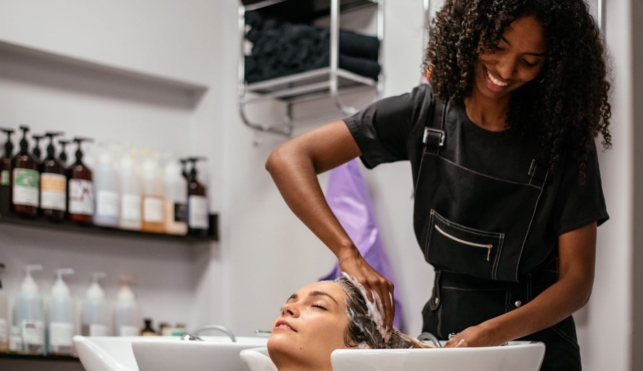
362 345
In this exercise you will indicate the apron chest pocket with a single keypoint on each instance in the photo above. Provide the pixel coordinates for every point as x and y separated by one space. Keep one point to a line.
454 247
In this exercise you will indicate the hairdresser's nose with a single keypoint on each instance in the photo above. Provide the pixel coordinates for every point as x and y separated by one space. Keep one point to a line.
290 310
506 67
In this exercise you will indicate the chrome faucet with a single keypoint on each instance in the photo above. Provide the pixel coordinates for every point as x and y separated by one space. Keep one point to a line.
194 335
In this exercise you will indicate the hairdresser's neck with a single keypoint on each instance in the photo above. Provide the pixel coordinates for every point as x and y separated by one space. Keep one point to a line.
488 113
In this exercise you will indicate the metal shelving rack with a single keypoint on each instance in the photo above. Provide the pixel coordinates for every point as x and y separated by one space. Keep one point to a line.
309 85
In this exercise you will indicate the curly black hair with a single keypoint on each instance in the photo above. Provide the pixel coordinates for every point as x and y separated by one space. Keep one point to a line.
566 106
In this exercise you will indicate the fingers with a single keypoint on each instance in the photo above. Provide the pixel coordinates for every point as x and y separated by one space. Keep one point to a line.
456 342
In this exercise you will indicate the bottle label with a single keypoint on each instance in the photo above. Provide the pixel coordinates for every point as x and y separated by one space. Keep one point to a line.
107 203
53 193
15 340
128 331
180 212
4 177
81 197
131 207
198 212
33 333
152 210
60 334
98 330
3 331
25 187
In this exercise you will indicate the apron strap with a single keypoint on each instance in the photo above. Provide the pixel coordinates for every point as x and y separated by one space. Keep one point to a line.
434 134
538 173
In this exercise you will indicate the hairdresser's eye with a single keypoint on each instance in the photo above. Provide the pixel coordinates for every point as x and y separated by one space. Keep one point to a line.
529 64
319 306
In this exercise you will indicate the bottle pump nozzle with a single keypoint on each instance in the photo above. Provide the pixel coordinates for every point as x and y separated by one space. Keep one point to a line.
184 170
193 172
8 146
79 151
29 285
60 288
36 148
94 290
63 155
51 151
24 144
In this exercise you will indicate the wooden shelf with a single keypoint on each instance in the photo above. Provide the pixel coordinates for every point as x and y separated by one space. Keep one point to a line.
67 226
48 358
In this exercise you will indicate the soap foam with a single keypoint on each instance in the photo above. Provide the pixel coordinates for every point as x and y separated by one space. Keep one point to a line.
374 309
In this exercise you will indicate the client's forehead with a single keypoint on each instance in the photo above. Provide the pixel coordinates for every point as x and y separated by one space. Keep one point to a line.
330 288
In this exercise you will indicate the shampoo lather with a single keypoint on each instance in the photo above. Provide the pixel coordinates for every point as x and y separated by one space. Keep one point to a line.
29 314
61 317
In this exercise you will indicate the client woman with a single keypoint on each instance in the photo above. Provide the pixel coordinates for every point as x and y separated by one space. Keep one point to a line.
325 316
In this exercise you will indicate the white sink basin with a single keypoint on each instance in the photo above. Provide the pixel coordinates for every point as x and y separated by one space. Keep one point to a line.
163 353
516 356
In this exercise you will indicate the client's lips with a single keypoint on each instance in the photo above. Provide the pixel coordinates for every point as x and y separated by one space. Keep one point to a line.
285 325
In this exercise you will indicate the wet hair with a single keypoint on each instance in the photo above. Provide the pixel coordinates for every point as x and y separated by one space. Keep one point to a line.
362 329
566 106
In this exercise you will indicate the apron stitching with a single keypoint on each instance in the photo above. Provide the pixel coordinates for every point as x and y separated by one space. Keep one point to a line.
428 239
462 289
496 262
467 229
565 336
533 215
484 175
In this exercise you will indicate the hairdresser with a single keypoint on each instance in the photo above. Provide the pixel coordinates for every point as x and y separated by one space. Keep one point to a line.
501 144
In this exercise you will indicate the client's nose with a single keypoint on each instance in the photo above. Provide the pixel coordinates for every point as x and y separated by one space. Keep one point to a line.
289 310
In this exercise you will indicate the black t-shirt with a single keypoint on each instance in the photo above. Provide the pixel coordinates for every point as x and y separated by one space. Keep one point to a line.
391 130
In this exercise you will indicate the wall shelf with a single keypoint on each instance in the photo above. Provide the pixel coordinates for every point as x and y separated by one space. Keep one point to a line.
47 358
118 73
67 226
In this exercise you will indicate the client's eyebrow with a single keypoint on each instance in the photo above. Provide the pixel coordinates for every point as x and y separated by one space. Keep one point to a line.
312 293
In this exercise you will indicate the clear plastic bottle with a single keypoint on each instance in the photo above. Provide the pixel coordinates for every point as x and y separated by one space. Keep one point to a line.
126 316
95 319
176 195
107 186
30 314
131 203
4 319
61 317
153 218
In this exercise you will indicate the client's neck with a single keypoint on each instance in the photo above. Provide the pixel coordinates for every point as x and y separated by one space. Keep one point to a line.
300 367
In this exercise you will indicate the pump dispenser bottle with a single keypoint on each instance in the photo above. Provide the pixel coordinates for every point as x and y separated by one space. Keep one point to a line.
24 179
29 314
80 188
53 183
95 321
126 320
61 317
197 202
36 148
4 319
62 157
106 184
176 194
5 174
130 185
153 219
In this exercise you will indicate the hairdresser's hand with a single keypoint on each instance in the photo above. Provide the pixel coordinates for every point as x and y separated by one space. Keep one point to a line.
475 336
352 263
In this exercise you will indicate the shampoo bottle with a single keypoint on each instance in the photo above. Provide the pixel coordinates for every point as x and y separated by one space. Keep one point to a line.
4 319
80 188
95 321
106 184
130 182
53 184
126 319
176 194
29 315
197 203
153 219
5 174
61 317
24 179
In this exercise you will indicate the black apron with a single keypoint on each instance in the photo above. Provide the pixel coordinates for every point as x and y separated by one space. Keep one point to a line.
474 229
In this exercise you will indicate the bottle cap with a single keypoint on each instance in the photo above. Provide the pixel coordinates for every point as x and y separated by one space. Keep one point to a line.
60 288
29 285
95 291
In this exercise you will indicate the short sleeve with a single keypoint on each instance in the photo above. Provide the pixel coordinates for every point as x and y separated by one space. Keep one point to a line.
578 205
382 130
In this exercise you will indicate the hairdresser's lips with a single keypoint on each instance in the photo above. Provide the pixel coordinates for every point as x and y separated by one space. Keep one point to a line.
493 83
283 325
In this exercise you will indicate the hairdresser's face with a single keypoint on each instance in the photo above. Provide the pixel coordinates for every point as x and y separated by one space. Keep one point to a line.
311 325
519 59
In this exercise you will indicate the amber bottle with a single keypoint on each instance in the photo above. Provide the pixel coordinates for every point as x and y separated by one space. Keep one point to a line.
5 174
197 203
53 184
80 188
24 179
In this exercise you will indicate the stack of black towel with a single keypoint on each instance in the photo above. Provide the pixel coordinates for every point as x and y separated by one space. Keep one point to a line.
282 48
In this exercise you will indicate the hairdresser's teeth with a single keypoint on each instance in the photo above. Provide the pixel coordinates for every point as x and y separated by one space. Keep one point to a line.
495 81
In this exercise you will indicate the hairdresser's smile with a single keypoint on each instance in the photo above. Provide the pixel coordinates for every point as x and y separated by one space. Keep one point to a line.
494 82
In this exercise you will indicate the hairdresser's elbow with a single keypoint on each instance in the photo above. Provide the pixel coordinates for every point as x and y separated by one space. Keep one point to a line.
277 158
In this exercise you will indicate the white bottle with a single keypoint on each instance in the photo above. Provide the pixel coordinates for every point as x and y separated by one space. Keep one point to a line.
4 320
106 185
176 196
130 182
153 219
61 317
95 319
30 314
126 318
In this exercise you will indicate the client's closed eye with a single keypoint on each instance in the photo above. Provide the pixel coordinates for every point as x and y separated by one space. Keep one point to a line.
319 306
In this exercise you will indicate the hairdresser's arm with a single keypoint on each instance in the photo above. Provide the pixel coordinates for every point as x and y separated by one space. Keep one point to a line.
294 167
577 254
